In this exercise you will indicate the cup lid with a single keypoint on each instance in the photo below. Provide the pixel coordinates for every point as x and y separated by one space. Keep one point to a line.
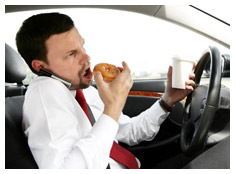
182 59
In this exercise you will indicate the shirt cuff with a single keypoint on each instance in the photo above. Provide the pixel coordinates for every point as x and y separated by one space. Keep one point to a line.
105 128
161 116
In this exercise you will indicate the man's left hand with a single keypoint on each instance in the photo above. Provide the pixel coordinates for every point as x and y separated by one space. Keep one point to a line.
173 95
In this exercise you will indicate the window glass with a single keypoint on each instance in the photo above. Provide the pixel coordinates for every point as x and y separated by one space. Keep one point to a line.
146 43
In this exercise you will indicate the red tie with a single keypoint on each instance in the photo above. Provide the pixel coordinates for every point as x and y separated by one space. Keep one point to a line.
118 153
82 101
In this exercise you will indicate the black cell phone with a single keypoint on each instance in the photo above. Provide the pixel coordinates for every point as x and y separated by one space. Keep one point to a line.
47 73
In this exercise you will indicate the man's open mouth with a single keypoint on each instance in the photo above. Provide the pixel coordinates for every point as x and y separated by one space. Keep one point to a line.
87 73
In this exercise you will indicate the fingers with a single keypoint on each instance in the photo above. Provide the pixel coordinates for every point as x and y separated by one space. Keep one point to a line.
169 78
169 74
126 67
189 84
192 76
190 88
98 79
194 65
126 74
124 64
125 71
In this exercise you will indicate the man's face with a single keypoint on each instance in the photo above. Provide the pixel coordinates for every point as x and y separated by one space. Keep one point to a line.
68 59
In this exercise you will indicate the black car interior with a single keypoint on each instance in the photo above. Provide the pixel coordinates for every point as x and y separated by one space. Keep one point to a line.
18 154
15 72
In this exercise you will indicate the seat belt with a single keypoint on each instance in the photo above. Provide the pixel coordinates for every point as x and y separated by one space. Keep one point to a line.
92 118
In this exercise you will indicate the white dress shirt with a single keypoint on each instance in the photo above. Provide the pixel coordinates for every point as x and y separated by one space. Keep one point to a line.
61 136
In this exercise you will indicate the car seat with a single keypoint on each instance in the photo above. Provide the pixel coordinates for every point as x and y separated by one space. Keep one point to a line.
217 157
17 152
15 72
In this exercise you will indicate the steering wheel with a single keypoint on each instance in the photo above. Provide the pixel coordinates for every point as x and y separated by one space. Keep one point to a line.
202 104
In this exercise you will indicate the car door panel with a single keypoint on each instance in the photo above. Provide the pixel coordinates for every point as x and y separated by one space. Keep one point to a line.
142 95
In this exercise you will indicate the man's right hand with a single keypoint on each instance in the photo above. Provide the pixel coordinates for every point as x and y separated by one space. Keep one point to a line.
114 94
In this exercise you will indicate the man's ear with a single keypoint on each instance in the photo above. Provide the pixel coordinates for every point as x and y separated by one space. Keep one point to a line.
37 65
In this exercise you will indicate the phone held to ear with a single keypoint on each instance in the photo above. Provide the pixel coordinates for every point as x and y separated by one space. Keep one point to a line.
44 72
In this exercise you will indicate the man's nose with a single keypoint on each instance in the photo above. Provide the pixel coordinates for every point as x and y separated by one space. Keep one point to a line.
85 58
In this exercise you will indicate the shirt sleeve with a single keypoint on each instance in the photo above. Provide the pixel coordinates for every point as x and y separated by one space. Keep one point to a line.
54 132
143 127
92 152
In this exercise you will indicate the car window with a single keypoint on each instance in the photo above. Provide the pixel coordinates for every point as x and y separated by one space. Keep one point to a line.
146 43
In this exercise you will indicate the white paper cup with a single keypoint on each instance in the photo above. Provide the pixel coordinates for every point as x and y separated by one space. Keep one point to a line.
181 69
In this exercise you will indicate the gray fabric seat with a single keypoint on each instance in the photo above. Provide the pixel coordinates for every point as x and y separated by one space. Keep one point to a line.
217 157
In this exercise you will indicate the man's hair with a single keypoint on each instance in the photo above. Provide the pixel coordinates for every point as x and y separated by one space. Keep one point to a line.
34 32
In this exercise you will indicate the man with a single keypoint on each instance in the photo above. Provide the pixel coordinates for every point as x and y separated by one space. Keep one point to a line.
59 131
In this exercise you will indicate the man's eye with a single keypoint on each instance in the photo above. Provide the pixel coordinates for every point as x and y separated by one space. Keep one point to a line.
71 54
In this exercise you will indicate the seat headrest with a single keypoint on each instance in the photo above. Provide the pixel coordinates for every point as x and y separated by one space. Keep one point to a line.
15 67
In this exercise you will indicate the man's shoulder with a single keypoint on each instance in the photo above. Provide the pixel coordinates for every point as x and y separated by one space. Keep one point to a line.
45 85
45 81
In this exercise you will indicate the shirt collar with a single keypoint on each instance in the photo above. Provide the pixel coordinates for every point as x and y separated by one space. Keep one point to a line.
73 92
